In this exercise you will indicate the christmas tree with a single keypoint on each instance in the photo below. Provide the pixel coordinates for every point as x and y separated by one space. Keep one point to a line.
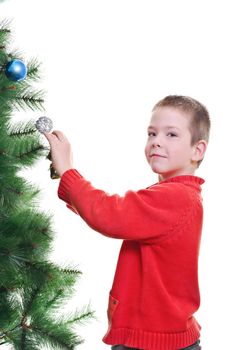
32 289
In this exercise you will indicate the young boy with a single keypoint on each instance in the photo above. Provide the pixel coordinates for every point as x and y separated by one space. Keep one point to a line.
155 290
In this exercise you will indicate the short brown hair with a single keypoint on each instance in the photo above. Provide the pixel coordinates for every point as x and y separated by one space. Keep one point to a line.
200 121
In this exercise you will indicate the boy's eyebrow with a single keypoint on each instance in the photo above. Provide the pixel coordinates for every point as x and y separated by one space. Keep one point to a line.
167 127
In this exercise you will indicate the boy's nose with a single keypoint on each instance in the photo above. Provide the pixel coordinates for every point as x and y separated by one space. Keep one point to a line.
156 143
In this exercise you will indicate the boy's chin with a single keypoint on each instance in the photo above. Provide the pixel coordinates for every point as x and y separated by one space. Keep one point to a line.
164 175
157 170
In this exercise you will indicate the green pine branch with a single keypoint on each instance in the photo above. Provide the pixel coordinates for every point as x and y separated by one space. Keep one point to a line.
22 129
56 338
4 33
32 99
71 272
33 69
82 316
25 151
4 26
55 300
32 289
17 195
31 152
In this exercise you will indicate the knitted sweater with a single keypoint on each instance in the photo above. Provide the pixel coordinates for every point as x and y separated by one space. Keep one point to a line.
155 290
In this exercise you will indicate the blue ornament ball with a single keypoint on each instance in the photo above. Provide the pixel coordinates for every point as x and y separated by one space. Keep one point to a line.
16 70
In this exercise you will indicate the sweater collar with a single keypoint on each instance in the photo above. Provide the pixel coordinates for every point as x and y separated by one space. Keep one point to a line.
191 180
185 178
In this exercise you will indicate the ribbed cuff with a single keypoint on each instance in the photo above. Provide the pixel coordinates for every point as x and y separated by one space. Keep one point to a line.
67 181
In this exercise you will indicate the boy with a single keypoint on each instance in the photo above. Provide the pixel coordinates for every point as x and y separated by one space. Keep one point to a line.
155 290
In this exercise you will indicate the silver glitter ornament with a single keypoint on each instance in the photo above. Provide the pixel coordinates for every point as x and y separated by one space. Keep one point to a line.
44 124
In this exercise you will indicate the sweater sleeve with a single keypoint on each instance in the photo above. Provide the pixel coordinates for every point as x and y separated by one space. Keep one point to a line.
152 213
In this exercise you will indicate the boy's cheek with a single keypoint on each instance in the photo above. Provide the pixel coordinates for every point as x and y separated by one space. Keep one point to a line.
146 151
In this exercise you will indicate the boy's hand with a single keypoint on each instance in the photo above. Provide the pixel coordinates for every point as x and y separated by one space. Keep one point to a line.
61 152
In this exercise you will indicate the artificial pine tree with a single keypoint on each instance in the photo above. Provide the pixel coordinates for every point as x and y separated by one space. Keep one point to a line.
32 289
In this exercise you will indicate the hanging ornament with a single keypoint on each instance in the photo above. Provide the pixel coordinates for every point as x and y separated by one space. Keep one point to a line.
44 124
16 70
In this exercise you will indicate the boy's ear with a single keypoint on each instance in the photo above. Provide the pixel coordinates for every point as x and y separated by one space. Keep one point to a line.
199 150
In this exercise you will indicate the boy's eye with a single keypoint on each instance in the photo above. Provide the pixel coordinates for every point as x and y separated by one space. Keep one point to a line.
151 134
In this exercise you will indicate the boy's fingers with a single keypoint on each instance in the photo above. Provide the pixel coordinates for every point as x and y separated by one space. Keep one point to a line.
53 137
59 135
48 137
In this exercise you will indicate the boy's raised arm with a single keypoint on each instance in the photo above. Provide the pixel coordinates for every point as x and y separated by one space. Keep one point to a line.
148 214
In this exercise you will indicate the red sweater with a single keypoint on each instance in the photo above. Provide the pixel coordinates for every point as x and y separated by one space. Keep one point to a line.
155 290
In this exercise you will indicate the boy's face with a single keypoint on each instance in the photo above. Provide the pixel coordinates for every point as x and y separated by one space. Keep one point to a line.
168 149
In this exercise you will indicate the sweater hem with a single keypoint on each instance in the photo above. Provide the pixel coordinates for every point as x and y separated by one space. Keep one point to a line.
153 341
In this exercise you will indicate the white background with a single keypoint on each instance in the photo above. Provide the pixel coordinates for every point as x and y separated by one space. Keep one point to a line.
105 63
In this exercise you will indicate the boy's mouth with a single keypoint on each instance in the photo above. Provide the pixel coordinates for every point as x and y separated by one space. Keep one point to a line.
157 155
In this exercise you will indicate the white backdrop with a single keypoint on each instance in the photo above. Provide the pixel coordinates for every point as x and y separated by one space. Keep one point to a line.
105 63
